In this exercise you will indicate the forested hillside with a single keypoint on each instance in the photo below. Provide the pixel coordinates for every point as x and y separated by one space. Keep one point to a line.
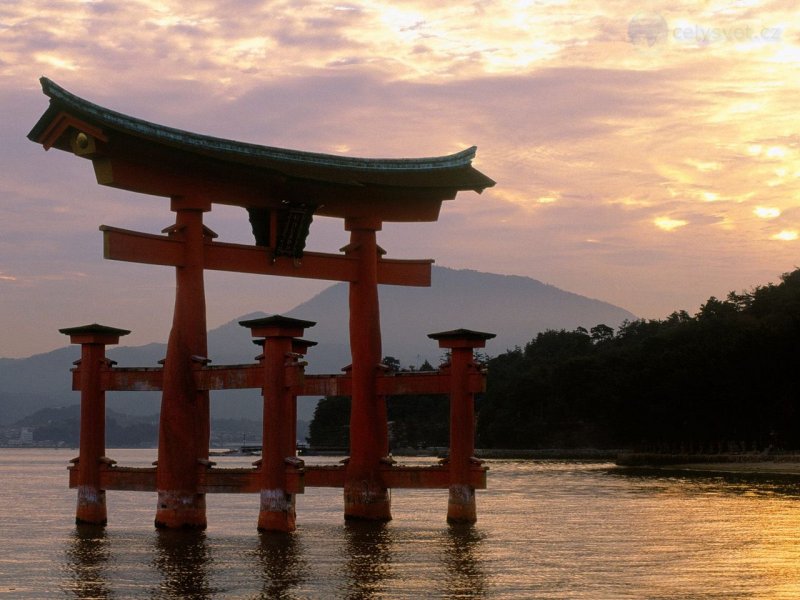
726 377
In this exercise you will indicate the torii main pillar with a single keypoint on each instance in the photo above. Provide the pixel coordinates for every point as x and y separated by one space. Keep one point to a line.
184 428
365 494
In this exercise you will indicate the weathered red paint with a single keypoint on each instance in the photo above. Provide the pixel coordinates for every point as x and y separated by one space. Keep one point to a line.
93 339
365 494
184 426
461 501
279 475
210 481
148 248
280 366
251 376
249 480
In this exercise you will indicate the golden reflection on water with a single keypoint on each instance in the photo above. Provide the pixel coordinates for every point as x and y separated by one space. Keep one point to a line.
774 552
466 575
184 560
545 530
87 555
368 548
280 564
187 566
725 537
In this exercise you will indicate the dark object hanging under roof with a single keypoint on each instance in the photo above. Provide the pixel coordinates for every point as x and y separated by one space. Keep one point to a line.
287 237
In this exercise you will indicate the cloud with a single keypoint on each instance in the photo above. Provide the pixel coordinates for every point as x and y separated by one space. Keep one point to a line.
786 235
669 224
561 105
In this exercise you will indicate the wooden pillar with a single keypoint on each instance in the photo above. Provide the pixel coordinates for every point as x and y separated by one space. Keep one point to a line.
299 349
277 503
461 342
93 339
365 495
184 426
295 370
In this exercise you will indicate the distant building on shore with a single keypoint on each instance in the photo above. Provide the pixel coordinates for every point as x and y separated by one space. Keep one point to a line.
25 437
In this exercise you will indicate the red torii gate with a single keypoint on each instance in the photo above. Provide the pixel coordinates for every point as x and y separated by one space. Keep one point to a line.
281 190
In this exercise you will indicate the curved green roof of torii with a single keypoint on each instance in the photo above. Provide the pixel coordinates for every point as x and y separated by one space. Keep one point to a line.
430 178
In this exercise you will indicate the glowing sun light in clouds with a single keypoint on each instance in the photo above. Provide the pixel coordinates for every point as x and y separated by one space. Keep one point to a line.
787 235
766 212
668 223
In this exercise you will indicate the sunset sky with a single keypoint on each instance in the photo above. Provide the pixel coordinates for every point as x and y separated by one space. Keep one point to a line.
645 153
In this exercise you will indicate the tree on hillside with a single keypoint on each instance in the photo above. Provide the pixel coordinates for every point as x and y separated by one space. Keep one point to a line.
330 426
725 376
416 421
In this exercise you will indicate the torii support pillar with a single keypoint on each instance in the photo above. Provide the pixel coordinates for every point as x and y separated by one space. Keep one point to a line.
184 426
365 494
281 368
299 350
461 343
295 370
93 340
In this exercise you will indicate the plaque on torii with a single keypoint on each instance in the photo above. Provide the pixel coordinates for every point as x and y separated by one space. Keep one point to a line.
281 190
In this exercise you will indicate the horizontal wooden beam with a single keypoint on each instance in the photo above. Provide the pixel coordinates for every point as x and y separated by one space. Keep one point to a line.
147 379
251 376
395 384
147 248
248 481
409 272
396 476
229 377
210 481
137 165
154 249
325 476
327 385
245 481
239 258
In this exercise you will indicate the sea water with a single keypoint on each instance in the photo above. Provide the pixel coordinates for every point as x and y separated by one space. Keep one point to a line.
546 530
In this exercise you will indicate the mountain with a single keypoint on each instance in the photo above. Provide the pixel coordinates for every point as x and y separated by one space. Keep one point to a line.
515 308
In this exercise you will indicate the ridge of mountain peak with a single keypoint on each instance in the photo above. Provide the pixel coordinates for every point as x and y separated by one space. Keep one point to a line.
514 307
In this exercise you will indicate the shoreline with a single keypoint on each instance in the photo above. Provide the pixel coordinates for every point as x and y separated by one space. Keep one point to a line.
752 464
549 454
722 464
742 469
